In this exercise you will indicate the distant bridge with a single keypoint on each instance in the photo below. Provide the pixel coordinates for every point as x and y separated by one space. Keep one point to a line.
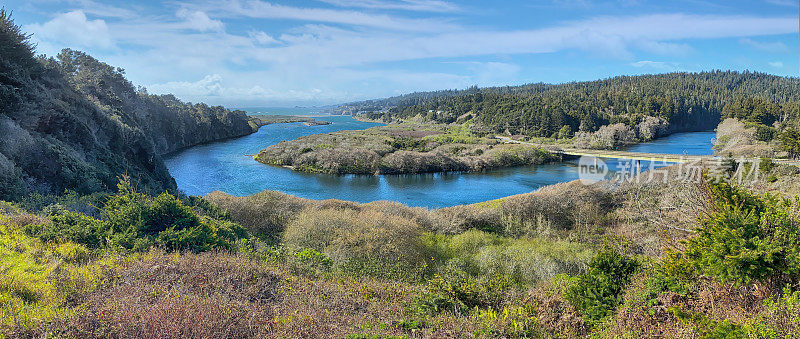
672 158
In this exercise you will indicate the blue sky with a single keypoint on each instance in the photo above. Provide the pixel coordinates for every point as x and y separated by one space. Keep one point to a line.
280 53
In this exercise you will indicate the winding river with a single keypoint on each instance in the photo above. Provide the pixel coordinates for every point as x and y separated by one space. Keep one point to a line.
224 166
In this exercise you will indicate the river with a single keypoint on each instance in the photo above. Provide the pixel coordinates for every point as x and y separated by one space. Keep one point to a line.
224 166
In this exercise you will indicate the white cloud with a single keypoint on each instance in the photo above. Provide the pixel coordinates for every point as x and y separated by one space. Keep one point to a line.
210 85
776 64
665 48
200 21
339 55
771 47
657 65
492 73
72 29
605 36
268 10
408 5
261 37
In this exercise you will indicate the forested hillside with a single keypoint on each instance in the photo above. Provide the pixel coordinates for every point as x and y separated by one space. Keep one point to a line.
76 123
170 123
682 101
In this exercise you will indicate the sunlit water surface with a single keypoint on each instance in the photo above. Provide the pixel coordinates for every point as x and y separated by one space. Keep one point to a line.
225 166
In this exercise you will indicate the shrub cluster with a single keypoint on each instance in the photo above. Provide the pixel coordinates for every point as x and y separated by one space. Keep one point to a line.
598 292
745 237
134 221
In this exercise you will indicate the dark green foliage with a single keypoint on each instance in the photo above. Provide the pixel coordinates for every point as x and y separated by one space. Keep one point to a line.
765 165
408 144
745 237
565 132
790 142
765 133
688 101
598 292
754 109
71 226
15 45
134 221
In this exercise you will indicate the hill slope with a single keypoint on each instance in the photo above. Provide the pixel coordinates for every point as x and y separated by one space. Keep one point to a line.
684 101
76 123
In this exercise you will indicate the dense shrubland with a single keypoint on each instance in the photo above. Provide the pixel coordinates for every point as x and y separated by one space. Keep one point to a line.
568 260
395 149
73 122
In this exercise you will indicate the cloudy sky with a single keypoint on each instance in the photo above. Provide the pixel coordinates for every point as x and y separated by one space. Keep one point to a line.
243 53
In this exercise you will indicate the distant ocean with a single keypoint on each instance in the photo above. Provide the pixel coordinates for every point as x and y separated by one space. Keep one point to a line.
281 110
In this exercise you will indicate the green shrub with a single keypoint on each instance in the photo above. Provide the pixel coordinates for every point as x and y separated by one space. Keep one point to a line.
765 165
459 292
765 133
745 237
313 259
137 222
708 328
71 226
598 292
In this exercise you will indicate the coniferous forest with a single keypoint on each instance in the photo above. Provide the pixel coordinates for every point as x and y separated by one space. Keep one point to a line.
686 101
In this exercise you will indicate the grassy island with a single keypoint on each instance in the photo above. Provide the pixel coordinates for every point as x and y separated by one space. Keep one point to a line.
401 148
262 120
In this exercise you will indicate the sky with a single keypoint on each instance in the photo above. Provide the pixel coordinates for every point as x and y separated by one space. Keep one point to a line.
244 53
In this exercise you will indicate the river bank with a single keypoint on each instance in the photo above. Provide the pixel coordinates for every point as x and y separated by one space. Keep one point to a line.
223 167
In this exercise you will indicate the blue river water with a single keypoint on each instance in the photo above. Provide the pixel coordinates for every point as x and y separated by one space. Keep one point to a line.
225 166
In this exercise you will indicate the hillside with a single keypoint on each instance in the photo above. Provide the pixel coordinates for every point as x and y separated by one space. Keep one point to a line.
680 101
74 123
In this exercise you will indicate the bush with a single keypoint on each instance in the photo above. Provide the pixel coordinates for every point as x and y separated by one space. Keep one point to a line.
598 292
361 241
313 259
525 261
263 214
135 221
459 292
745 237
765 133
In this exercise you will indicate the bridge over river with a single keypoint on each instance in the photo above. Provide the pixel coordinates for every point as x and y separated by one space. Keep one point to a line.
626 155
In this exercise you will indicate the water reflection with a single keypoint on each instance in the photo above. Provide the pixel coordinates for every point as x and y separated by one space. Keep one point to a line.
223 166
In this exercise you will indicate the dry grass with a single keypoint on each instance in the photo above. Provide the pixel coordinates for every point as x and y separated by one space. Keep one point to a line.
221 295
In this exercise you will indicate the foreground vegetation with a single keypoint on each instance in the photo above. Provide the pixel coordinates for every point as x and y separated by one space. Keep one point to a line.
400 148
641 259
